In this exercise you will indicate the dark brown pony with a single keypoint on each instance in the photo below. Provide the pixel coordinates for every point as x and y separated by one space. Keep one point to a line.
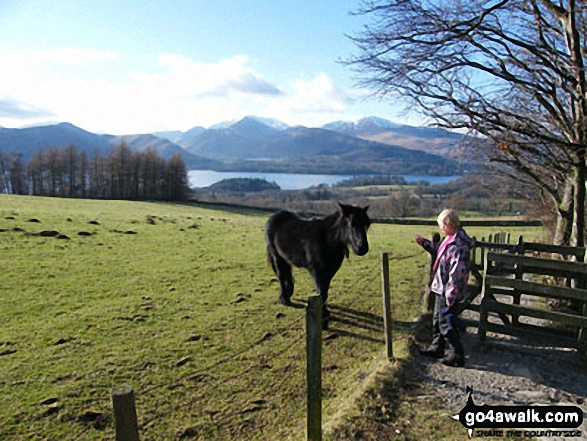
319 245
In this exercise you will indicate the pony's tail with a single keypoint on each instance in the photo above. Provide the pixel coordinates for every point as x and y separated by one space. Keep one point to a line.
270 247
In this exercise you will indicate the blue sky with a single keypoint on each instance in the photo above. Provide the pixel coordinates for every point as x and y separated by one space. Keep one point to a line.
131 66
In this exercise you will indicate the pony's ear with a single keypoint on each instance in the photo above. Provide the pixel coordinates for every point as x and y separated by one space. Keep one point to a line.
341 207
366 208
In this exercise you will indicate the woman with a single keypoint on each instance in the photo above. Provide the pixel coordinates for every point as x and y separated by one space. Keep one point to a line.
450 274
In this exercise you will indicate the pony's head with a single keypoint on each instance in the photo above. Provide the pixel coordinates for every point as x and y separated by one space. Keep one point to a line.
354 223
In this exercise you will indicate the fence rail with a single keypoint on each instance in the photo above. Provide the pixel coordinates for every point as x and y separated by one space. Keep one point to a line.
504 278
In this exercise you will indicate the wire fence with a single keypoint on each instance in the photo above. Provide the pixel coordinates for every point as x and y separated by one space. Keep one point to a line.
221 381
246 363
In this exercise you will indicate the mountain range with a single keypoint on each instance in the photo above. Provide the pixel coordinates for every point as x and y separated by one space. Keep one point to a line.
370 145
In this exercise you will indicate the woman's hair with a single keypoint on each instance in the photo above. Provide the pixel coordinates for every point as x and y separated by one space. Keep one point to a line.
448 217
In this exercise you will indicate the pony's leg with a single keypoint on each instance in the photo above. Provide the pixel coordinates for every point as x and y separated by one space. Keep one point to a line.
286 281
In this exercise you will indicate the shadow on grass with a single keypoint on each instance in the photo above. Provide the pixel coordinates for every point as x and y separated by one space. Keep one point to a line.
361 325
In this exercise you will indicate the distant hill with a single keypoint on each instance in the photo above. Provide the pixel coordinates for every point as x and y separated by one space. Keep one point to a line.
251 138
28 140
245 139
251 144
165 148
368 146
428 139
178 137
242 184
363 126
171 135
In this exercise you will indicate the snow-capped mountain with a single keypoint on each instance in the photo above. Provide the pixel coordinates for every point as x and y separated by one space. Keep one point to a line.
370 145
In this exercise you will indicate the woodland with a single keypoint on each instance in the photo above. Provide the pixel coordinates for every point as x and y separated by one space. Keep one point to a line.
121 174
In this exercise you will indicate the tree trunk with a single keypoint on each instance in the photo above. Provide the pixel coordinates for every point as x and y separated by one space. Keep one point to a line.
578 230
565 212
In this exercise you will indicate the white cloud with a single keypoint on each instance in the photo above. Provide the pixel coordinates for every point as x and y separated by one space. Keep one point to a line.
97 91
226 78
319 95
313 102
10 108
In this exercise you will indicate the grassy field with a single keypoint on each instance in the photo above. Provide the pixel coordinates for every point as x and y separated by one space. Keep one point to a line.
178 302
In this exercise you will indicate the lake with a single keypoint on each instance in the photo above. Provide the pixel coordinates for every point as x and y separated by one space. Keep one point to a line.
292 181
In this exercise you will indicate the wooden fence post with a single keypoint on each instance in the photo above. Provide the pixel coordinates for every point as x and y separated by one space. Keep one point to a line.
520 247
483 314
582 334
125 414
314 367
430 298
386 305
517 295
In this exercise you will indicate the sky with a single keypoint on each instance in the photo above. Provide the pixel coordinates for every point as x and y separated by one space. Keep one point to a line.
142 66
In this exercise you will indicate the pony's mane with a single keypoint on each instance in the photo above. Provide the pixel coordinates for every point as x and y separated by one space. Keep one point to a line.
334 222
333 219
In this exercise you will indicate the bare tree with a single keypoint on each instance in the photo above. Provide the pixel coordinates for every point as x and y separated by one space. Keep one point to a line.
511 72
404 204
98 182
4 173
71 170
176 179
152 173
84 174
18 178
135 167
119 167
54 166
36 172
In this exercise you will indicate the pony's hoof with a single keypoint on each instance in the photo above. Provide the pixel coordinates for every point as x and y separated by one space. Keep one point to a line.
285 302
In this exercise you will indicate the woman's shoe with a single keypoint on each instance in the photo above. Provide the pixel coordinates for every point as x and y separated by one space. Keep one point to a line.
454 360
432 351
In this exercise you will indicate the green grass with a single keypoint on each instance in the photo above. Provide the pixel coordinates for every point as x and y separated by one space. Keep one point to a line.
184 311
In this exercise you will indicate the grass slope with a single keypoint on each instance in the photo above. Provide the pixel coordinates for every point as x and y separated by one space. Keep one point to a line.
178 302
